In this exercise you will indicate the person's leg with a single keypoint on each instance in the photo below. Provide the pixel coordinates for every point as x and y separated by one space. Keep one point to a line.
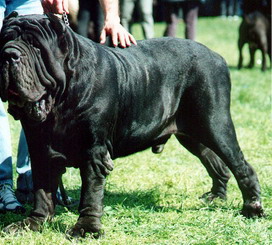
24 192
190 19
171 18
223 8
236 8
98 20
127 7
146 10
229 8
8 201
83 18
24 7
2 12
5 148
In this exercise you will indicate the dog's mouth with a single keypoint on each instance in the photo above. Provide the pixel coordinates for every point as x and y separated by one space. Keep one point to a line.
24 100
36 110
39 110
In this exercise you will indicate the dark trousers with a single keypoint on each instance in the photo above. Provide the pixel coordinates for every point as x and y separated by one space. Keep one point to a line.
229 7
90 11
190 15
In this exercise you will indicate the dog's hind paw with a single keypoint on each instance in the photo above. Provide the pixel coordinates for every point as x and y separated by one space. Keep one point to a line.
157 148
253 210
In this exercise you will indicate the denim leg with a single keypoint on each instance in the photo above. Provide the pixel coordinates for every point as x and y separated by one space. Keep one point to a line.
23 161
24 181
5 140
24 7
5 148
2 12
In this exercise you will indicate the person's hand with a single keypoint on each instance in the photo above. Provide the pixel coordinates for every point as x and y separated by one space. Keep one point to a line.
55 6
117 32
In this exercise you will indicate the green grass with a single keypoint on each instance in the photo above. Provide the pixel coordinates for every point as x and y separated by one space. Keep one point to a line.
153 199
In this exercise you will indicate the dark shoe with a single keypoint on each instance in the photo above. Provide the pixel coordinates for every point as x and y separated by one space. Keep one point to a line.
25 196
24 191
8 200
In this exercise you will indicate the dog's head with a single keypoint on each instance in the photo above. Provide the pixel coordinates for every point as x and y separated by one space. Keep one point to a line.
33 53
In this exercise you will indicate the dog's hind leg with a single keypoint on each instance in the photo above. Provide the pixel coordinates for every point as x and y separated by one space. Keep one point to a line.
240 48
204 115
264 49
216 168
218 134
159 146
252 51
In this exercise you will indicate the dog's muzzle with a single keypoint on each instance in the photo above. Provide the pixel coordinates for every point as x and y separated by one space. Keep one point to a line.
20 85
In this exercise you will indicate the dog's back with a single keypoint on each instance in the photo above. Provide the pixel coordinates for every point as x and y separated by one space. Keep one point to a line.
255 22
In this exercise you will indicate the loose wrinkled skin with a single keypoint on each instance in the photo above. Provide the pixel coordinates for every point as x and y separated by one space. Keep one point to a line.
82 104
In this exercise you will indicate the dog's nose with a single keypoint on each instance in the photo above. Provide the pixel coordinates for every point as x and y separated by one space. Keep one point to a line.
12 55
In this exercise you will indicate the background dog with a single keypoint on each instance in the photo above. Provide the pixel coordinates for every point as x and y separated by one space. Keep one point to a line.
255 30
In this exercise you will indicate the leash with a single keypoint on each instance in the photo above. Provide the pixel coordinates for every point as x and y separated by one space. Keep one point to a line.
65 18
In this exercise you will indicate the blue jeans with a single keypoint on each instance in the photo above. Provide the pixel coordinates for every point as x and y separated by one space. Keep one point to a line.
23 7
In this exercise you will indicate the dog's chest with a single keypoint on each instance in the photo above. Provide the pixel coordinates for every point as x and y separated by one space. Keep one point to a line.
65 139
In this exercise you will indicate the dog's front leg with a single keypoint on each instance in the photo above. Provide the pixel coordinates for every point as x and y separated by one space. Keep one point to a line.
45 181
93 175
43 211
45 186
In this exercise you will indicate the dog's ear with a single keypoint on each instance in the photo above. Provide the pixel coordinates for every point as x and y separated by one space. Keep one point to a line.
13 14
56 23
60 29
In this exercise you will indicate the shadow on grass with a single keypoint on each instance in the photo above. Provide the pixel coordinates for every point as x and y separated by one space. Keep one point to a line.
114 202
145 200
246 68
149 200
233 68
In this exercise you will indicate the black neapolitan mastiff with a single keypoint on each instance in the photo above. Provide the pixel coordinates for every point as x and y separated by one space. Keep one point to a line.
82 104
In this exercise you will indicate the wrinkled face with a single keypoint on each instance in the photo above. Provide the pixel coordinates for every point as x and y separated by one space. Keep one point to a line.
20 77
28 69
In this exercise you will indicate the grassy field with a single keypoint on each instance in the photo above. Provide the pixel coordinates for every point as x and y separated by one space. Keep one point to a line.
154 199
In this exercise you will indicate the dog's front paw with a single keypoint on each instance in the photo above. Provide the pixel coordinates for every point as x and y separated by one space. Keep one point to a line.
87 224
30 223
253 210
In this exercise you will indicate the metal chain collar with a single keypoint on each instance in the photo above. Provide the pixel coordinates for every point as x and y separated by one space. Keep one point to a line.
65 18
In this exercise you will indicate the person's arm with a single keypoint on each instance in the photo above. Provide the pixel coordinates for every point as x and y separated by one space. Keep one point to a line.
55 6
112 25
